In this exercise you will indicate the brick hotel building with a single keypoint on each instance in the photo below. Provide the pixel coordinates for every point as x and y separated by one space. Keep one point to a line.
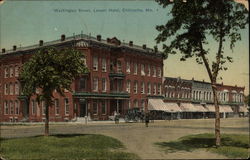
121 76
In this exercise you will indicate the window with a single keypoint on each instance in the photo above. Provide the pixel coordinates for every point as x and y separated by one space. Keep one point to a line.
95 84
57 106
33 107
143 69
6 72
95 63
159 89
82 83
135 103
154 89
11 107
103 104
159 72
16 71
6 89
104 65
154 71
11 89
142 88
16 88
43 108
104 84
149 70
119 66
6 107
95 107
16 107
11 72
128 86
129 104
128 67
66 105
135 68
149 88
135 86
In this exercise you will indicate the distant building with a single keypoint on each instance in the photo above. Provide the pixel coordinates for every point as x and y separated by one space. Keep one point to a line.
122 76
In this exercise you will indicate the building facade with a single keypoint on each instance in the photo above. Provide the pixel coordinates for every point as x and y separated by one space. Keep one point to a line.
121 76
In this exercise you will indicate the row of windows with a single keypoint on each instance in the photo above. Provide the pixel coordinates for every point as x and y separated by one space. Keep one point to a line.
170 94
199 95
237 97
99 105
11 88
35 107
11 107
95 84
11 71
143 88
118 65
137 104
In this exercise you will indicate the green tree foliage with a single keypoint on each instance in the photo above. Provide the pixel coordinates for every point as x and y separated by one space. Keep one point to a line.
51 69
193 25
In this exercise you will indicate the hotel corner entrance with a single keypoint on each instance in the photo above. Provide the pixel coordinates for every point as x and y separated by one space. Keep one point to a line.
83 108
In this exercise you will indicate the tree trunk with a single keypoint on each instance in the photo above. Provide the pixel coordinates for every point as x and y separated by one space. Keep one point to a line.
46 133
217 116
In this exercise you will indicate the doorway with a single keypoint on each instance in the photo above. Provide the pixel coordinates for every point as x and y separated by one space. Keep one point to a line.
83 109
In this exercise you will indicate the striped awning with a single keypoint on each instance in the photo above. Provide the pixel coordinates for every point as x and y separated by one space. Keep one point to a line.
243 109
173 107
199 108
157 105
226 108
210 108
187 107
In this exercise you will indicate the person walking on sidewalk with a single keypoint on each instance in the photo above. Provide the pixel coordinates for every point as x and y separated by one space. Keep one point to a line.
146 119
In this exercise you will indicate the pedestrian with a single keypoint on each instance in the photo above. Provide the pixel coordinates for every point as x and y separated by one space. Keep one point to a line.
146 119
116 116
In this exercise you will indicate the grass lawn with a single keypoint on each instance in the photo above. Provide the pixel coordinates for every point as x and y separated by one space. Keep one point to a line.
232 145
67 146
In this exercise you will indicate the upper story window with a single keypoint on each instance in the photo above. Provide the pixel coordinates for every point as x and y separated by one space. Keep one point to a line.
11 72
154 71
82 83
119 66
128 67
17 107
11 89
6 89
135 86
104 65
66 106
6 72
149 88
95 63
135 68
142 88
149 70
95 84
16 88
11 107
128 86
6 107
104 84
159 72
143 69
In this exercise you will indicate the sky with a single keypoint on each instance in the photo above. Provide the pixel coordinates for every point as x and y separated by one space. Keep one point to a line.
25 23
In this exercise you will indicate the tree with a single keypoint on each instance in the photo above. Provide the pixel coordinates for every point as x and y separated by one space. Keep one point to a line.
51 69
189 32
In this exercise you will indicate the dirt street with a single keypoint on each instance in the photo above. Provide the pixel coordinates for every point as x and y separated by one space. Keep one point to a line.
139 139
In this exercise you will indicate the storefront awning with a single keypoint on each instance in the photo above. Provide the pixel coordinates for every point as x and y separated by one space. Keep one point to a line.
210 108
172 107
226 108
199 108
156 104
187 107
243 109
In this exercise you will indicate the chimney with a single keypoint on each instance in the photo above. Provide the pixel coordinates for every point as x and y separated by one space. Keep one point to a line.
144 46
63 37
3 50
99 37
14 47
41 43
130 43
108 40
